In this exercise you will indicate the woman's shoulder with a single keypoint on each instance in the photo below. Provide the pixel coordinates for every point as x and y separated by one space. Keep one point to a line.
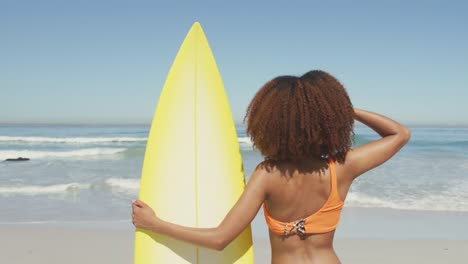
267 166
265 172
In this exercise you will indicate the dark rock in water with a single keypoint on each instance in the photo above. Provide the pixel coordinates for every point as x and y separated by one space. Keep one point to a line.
18 159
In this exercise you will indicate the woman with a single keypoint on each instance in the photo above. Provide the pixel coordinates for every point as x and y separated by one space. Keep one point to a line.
303 126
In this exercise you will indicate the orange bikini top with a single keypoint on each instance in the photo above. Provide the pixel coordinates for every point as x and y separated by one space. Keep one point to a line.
326 219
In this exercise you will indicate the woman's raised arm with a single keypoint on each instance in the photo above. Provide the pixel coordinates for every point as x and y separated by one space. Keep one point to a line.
370 155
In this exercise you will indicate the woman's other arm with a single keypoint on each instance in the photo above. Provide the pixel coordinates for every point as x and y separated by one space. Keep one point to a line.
370 155
238 218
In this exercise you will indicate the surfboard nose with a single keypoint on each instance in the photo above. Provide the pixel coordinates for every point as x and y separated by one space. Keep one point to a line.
196 25
195 30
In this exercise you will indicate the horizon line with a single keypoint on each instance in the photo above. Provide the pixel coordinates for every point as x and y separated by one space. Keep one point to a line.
357 124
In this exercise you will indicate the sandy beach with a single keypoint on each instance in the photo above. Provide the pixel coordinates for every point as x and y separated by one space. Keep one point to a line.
49 244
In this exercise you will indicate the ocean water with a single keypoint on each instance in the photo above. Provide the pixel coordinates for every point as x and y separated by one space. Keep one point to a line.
91 173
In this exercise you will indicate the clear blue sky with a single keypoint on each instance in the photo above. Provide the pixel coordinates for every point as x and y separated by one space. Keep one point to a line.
106 61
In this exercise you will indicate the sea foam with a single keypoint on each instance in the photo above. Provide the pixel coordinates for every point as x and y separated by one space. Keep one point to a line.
31 190
430 202
80 153
124 183
71 140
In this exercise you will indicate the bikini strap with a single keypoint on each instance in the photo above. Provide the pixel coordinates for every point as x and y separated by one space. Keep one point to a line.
333 178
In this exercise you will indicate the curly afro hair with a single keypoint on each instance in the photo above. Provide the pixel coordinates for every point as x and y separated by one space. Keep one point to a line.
292 118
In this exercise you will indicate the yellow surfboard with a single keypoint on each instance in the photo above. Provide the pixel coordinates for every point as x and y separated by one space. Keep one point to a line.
192 172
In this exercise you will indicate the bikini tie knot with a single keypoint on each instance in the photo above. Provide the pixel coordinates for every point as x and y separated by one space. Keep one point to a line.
297 228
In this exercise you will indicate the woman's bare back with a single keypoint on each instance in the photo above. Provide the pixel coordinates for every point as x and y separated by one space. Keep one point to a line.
295 191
